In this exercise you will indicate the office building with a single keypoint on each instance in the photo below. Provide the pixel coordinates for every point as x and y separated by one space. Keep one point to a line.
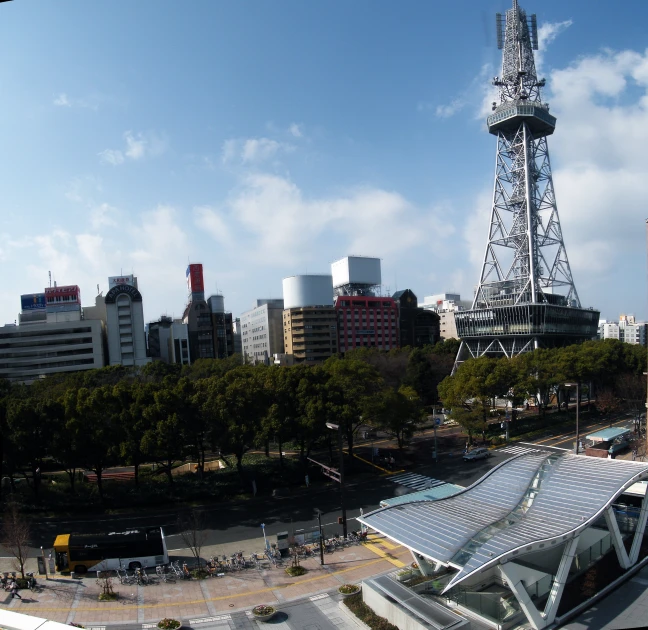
223 333
236 336
125 322
309 318
32 351
445 305
367 322
262 333
168 341
417 327
627 329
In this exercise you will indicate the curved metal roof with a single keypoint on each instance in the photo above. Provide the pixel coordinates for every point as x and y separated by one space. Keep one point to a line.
526 503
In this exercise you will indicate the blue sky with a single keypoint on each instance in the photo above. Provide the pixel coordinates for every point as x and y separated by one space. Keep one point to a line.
266 139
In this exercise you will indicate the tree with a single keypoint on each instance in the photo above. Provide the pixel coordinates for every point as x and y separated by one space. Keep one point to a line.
470 392
16 535
350 386
448 347
238 401
397 412
192 530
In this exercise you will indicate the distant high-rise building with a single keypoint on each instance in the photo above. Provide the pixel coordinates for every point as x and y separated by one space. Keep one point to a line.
627 329
236 336
262 333
222 325
367 322
51 337
125 322
309 318
445 305
418 327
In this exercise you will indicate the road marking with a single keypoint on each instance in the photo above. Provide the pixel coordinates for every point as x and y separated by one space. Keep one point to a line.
385 555
416 481
314 598
518 450
373 538
145 626
210 619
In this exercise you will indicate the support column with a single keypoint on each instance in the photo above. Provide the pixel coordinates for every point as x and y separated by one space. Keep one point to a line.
422 564
617 539
520 592
639 532
558 586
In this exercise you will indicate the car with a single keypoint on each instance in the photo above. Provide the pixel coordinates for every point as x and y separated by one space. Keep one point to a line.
476 453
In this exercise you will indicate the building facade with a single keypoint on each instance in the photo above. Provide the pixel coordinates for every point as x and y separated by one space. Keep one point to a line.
236 336
309 319
32 351
417 327
223 327
367 322
445 305
627 329
125 323
197 317
262 331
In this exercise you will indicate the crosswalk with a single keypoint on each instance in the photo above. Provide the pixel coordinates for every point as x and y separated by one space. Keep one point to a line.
416 482
519 450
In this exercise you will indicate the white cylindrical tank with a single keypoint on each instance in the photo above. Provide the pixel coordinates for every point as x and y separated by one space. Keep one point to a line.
217 304
361 270
311 290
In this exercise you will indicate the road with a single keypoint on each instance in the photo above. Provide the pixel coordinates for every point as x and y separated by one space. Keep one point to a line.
240 521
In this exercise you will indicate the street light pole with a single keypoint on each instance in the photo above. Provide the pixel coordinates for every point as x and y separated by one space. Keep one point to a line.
321 537
577 386
338 428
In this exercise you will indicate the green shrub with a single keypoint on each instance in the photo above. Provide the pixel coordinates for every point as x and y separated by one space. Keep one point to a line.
296 571
355 604
107 597
169 624
199 574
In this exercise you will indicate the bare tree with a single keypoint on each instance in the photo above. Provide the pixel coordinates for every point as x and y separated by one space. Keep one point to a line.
16 535
191 528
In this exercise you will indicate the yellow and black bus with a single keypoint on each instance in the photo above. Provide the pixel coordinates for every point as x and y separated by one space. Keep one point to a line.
129 549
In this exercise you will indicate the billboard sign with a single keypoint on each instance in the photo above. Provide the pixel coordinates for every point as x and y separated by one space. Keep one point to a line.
70 294
195 281
32 301
114 281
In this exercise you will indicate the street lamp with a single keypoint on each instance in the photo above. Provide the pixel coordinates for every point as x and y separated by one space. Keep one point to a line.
577 386
336 427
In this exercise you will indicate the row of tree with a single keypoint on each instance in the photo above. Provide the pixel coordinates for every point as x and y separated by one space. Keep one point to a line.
609 370
162 414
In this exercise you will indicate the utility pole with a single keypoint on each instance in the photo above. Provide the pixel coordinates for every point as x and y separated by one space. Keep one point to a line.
321 545
338 428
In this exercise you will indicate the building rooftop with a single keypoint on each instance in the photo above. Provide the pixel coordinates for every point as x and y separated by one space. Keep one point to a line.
526 503
429 494
607 435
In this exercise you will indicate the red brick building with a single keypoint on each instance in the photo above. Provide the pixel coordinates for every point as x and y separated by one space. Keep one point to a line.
367 322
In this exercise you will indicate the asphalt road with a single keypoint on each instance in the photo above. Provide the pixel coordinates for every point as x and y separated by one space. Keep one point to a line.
241 521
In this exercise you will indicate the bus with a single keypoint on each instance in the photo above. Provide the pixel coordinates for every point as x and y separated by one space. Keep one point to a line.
131 549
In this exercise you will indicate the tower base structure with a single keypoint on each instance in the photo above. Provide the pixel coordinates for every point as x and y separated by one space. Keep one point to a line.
507 331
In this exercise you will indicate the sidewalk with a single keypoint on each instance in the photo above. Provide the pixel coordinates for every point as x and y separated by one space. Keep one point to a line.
209 601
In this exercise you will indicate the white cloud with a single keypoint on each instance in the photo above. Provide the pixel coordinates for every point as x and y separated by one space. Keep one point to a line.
111 156
138 147
103 215
253 150
547 32
278 224
61 100
296 130
446 111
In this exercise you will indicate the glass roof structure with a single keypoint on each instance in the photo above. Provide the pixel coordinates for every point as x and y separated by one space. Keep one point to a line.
529 502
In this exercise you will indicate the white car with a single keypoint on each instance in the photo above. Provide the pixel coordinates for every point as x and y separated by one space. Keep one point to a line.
476 453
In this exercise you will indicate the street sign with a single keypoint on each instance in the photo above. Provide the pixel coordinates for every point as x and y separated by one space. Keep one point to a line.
437 421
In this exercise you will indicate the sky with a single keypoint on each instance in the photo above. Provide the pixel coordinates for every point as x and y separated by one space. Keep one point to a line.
268 139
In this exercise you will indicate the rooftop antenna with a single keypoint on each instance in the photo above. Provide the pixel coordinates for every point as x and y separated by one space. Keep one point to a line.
50 279
97 289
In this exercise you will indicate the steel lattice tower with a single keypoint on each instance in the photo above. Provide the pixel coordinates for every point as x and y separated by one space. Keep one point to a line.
526 297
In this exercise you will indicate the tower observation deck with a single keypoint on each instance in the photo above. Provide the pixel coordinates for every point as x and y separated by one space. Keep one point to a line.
526 297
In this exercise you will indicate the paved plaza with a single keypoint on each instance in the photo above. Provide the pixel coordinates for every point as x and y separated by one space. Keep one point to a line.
217 602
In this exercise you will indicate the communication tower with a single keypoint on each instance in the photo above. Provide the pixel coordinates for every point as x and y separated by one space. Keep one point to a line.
526 297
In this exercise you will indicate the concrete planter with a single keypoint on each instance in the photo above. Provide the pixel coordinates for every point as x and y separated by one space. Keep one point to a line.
265 613
355 591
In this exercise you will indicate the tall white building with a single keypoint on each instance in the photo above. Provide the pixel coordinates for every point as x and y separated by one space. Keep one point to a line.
627 329
125 322
446 305
262 331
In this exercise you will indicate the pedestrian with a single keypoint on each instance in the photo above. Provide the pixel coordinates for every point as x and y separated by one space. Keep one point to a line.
634 454
307 480
14 590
